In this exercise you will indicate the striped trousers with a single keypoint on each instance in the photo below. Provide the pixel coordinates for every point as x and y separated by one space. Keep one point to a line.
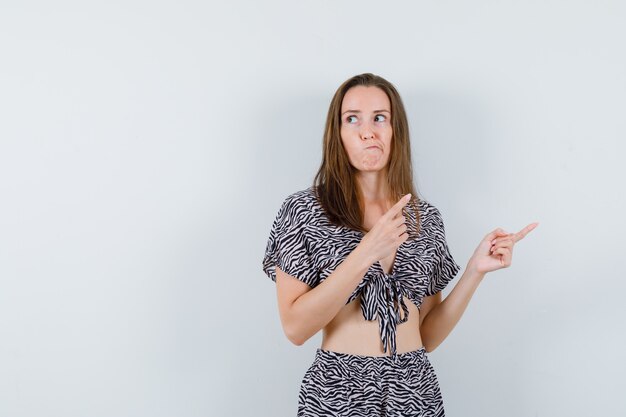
345 385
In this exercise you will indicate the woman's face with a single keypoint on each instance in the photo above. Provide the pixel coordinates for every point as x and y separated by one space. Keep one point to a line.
366 127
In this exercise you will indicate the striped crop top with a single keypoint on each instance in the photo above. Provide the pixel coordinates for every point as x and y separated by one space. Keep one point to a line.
306 245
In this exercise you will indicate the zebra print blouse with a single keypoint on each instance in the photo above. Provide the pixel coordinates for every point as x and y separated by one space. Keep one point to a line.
306 245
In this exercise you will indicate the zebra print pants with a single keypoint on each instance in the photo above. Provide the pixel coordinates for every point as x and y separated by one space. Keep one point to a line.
345 385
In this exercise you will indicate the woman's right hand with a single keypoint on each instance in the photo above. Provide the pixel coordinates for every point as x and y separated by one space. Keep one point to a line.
387 234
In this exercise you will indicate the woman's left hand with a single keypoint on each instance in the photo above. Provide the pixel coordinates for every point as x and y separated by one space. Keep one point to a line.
495 251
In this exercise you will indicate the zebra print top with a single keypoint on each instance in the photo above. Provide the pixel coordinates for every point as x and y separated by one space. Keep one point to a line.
306 245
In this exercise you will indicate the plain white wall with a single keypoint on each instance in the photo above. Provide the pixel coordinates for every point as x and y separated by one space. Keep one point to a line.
145 148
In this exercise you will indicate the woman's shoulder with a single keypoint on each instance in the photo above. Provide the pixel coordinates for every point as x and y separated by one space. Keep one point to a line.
298 205
301 198
302 194
430 216
426 207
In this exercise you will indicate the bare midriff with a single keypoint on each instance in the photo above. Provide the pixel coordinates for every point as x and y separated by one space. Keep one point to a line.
349 332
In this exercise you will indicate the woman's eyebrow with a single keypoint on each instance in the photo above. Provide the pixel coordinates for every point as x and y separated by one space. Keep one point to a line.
359 111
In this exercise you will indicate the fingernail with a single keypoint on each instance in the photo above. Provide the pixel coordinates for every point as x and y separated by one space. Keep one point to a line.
408 196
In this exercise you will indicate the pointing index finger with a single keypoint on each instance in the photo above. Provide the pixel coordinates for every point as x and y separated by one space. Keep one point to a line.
397 208
522 233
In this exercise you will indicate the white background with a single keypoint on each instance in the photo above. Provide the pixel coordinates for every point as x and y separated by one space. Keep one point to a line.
145 148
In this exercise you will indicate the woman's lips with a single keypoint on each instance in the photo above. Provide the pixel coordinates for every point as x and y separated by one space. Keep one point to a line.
372 147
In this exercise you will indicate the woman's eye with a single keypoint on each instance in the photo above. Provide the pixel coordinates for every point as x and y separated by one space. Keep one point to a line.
348 118
381 115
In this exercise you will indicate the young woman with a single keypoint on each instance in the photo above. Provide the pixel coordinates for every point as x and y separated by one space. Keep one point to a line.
361 257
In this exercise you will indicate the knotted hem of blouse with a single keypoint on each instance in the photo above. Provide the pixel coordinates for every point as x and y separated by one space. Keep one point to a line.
388 313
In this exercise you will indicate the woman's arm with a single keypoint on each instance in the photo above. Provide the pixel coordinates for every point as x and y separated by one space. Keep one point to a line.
441 319
305 311
494 252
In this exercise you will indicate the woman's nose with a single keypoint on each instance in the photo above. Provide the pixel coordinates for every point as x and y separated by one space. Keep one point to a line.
367 133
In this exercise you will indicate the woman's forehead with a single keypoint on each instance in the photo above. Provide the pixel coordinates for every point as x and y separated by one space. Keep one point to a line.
361 98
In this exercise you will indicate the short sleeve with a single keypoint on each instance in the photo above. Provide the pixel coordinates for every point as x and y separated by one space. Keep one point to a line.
445 267
287 246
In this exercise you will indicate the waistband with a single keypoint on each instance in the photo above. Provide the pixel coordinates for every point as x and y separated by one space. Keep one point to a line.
349 364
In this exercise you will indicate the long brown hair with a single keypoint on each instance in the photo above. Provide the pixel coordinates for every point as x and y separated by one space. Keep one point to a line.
335 182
